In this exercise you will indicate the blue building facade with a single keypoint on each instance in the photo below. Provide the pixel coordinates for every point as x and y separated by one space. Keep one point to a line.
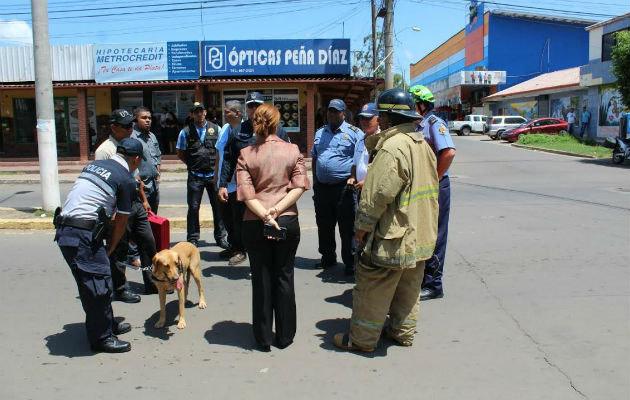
507 47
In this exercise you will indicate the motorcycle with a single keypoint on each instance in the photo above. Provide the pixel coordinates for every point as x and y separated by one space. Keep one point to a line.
621 149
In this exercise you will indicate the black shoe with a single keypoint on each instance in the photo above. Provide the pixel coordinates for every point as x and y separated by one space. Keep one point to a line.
127 297
111 345
323 264
194 241
429 294
121 327
227 253
265 348
284 345
349 270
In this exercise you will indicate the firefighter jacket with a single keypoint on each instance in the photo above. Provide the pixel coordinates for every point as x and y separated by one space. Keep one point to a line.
399 201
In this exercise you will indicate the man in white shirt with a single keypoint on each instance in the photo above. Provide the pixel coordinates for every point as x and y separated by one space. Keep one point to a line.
571 119
368 119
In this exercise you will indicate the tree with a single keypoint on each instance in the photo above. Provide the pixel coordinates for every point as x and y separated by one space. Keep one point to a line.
621 64
363 61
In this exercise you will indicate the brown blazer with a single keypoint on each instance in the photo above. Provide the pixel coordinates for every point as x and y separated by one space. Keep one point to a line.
267 170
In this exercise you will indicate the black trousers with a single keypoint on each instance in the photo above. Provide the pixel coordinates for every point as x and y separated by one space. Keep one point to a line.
153 195
232 215
273 293
138 230
335 204
195 187
95 290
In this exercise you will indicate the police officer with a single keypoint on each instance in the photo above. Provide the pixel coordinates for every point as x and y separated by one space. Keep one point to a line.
103 188
149 170
437 135
396 225
334 195
196 148
238 139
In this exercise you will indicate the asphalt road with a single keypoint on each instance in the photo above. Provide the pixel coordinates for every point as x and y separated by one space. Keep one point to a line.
536 307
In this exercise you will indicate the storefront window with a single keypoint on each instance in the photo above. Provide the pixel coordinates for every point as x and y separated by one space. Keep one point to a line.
25 120
285 100
130 100
178 102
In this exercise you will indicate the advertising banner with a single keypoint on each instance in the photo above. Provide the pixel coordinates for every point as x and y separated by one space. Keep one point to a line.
146 61
475 16
275 57
480 78
73 110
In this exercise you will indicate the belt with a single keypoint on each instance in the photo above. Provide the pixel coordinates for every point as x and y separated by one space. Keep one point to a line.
79 223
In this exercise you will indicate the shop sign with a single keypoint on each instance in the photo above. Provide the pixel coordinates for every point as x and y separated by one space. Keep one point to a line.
146 61
483 78
275 57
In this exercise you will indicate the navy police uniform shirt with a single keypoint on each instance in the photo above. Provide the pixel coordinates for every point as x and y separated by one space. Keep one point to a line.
104 183
436 134
333 152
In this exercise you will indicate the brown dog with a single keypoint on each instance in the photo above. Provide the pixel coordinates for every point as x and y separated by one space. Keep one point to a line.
169 268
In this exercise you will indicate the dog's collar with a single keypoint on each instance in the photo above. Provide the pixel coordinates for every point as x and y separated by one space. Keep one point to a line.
180 270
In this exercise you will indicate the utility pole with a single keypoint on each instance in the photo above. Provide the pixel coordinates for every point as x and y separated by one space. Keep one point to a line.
373 39
388 31
46 132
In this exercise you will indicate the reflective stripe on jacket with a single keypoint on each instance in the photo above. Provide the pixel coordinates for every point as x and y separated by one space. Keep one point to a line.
399 200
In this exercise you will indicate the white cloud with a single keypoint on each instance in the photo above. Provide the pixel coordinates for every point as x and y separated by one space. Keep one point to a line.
409 55
15 32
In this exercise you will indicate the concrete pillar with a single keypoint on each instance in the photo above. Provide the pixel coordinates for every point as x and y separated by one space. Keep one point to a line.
310 117
84 134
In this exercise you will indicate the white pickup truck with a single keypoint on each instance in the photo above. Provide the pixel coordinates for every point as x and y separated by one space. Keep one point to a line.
471 123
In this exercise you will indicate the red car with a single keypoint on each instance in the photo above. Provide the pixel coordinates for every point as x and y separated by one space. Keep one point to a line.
550 126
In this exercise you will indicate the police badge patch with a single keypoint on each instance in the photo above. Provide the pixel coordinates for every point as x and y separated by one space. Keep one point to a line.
442 129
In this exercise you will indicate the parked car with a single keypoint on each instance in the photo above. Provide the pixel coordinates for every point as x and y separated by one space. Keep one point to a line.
503 123
550 126
471 123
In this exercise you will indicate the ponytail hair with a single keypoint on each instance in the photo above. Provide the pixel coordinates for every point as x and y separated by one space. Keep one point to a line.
265 120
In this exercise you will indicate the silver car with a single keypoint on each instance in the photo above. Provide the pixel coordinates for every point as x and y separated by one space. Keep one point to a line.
503 123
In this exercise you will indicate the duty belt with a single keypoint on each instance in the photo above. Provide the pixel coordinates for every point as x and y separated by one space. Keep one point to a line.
79 223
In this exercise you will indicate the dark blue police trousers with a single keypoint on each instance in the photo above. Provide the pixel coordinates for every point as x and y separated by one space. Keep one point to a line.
90 268
335 204
196 186
433 280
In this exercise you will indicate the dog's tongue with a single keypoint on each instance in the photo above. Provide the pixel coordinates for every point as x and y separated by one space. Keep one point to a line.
179 285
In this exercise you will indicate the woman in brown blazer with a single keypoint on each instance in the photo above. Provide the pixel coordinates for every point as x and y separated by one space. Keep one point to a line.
271 177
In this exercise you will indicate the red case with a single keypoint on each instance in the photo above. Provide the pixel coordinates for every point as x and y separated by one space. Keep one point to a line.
161 231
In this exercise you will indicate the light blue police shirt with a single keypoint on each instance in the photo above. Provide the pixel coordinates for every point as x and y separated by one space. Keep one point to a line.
224 134
436 134
333 152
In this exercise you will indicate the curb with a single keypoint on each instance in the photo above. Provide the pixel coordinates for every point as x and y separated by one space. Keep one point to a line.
46 223
30 181
564 153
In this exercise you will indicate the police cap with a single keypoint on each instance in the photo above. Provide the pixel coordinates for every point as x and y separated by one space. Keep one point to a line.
131 147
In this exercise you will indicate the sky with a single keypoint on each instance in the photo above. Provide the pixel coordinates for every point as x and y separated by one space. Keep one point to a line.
119 21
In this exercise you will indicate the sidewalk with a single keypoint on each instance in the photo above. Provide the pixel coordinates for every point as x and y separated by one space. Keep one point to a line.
29 218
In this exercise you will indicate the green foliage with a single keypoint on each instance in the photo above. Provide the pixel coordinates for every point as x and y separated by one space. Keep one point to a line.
363 60
566 143
621 64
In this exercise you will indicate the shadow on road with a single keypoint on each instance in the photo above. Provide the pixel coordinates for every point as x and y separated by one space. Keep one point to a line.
72 342
605 162
345 298
230 333
305 263
172 310
232 273
342 325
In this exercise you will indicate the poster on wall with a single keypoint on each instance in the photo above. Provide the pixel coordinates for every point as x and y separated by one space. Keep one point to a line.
526 109
610 106
481 78
73 111
561 107
288 105
185 100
